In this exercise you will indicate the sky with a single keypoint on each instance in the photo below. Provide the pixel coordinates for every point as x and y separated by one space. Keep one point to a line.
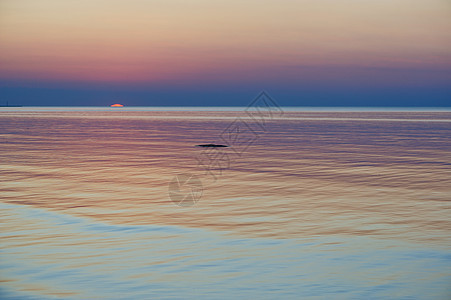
223 53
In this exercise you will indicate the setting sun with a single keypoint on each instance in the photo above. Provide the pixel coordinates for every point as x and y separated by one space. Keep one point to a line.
116 105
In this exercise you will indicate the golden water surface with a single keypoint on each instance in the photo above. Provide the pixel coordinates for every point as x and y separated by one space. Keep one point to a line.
380 176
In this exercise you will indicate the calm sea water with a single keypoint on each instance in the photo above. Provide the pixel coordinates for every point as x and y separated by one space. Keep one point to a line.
308 204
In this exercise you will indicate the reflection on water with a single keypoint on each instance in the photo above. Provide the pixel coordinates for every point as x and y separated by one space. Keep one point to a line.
347 204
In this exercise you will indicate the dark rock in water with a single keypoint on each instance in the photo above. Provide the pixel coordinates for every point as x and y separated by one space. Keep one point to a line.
211 145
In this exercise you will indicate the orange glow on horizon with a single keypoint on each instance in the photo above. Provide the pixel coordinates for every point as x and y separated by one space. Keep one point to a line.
117 105
151 42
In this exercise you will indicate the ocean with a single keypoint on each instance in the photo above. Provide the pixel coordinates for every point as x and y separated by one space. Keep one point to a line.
120 203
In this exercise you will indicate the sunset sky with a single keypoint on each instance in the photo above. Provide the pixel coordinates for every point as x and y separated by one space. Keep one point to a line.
198 52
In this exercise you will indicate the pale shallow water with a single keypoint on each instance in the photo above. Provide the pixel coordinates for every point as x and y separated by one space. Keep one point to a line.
325 204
